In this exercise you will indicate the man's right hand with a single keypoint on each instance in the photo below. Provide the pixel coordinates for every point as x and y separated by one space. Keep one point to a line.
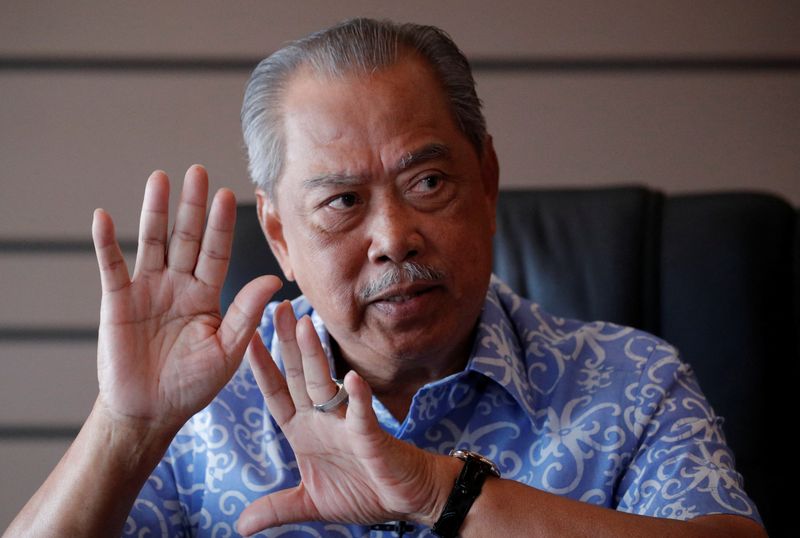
164 351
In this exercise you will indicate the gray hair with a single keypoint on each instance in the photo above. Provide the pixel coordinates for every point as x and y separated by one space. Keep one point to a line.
357 46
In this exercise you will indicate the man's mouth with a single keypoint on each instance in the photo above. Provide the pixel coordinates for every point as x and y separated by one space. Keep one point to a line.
404 292
403 282
404 297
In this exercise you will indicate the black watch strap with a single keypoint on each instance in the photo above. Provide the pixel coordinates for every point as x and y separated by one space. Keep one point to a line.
465 490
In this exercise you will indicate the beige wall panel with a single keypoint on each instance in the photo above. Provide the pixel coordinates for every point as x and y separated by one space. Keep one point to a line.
71 142
81 141
677 133
50 290
25 465
519 27
48 383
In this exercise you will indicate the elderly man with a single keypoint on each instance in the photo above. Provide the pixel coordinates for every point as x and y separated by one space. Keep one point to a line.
376 185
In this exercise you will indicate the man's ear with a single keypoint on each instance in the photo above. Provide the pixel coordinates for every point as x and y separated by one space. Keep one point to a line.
271 225
490 173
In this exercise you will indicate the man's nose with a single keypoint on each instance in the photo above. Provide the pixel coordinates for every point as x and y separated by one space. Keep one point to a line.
394 232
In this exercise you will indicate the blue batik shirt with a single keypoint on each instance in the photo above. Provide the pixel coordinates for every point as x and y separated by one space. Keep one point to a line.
596 412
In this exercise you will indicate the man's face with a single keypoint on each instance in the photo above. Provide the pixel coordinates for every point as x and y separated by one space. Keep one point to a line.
378 175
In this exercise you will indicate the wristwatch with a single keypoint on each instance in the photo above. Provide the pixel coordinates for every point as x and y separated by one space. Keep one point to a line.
466 489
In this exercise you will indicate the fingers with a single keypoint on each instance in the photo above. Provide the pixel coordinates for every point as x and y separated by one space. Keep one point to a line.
153 224
184 243
316 369
113 270
285 324
215 251
308 377
190 248
270 381
304 360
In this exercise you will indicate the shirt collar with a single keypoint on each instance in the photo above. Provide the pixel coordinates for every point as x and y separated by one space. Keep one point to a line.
498 353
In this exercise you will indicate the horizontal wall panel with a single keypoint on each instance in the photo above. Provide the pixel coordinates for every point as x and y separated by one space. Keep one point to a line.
96 137
47 384
73 142
25 466
50 291
510 28
676 133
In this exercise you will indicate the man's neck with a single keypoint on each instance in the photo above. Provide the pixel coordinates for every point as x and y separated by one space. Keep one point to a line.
396 379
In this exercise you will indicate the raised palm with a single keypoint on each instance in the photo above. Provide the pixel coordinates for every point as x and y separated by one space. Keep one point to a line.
164 350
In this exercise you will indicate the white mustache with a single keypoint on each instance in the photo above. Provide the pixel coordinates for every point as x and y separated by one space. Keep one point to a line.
406 272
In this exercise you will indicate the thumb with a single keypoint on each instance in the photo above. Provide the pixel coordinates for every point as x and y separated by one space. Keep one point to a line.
243 315
286 506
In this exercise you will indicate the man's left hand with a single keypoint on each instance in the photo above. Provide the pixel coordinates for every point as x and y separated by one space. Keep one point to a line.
351 470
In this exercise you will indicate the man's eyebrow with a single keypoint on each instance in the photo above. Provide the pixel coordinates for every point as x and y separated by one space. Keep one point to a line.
327 180
430 152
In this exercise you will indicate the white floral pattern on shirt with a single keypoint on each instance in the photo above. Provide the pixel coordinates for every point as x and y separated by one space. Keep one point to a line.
592 411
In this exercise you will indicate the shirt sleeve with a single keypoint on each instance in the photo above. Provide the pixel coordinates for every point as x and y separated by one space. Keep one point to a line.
683 467
157 510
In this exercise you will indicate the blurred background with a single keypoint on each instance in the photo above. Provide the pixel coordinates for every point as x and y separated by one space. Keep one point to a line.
680 95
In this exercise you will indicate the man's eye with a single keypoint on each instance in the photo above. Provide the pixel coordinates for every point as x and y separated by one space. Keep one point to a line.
343 201
428 183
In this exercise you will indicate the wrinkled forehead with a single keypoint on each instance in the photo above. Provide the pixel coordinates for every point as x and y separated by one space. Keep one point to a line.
386 113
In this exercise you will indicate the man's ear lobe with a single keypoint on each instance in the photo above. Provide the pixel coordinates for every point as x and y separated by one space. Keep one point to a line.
272 227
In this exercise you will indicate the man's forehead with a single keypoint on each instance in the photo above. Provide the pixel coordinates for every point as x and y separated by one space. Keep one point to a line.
411 78
399 116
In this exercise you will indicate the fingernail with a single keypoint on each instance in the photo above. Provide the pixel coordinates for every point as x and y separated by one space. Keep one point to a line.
284 318
238 527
